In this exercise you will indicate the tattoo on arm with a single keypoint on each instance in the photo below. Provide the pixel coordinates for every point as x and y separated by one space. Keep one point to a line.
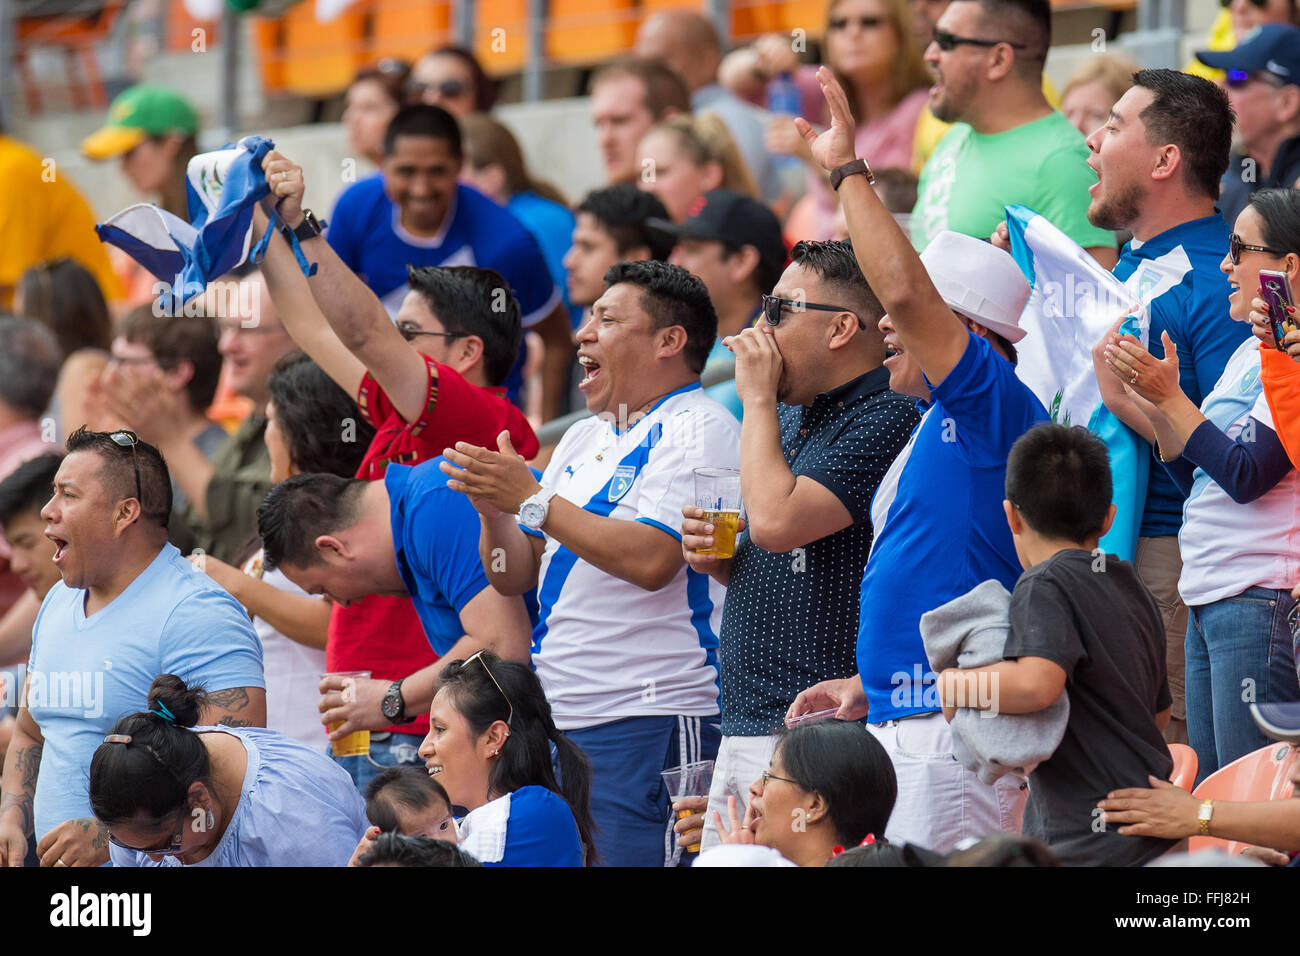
235 722
28 762
232 699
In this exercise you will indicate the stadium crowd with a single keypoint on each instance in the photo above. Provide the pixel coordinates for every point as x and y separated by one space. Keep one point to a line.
295 582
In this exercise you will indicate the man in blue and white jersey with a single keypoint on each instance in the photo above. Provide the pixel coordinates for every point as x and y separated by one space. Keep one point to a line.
1158 160
626 643
414 212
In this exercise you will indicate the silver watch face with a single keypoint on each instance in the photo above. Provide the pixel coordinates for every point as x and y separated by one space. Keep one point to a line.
532 515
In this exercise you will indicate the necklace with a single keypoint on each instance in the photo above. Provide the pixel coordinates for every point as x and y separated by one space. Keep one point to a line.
628 422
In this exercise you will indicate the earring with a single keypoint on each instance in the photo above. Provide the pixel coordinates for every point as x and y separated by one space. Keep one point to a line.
493 753
211 821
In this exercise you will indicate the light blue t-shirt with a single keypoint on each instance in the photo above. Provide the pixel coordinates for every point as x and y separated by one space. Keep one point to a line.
940 528
86 673
297 807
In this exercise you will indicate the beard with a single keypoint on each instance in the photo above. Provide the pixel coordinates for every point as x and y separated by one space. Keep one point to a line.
952 103
1118 210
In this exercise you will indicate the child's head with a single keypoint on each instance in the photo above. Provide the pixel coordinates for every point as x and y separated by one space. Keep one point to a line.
1058 488
395 849
407 800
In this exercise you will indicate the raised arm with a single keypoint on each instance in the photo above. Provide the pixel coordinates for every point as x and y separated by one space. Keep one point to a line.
927 328
352 310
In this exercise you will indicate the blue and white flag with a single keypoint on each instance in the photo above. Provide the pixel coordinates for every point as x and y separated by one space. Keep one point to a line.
222 188
1073 304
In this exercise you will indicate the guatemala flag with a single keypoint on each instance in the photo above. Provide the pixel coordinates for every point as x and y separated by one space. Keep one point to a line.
222 188
1074 303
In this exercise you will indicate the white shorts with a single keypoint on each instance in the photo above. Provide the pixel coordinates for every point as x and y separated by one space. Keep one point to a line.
740 761
941 803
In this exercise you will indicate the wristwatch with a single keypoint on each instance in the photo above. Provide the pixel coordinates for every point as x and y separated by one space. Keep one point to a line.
532 512
851 169
1204 814
394 707
309 228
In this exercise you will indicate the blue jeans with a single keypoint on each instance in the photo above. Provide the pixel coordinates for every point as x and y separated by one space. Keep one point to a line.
1238 652
386 750
629 801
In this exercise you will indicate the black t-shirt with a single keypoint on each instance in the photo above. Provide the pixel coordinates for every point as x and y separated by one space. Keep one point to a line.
1093 616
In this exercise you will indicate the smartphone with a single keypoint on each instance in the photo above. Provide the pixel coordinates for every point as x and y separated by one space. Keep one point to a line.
1276 293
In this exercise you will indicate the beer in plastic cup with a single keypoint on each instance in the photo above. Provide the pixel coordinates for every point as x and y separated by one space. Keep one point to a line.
357 743
688 780
717 494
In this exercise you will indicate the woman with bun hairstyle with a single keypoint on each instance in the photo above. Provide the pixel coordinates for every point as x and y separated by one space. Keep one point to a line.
172 794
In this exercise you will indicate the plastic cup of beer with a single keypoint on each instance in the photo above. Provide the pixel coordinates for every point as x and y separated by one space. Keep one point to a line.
357 743
688 780
717 494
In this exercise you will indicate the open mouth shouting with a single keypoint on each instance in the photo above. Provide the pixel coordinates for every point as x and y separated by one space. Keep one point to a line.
591 367
60 547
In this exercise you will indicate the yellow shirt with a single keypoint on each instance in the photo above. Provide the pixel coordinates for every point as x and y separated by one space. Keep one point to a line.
43 216
930 130
1221 38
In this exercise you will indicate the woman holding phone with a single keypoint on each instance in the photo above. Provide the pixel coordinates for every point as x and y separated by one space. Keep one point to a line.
1243 508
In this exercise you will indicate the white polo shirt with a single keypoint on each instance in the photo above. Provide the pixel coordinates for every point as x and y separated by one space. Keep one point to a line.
604 648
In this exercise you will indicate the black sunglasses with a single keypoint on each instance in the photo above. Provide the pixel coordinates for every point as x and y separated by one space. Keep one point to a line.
410 332
447 88
773 306
126 438
947 41
1235 246
1258 4
866 23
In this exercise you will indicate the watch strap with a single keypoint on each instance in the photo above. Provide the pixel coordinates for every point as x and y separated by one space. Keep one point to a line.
839 174
1204 815
395 690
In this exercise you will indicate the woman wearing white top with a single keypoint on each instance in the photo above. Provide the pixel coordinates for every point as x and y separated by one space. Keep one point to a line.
1242 516
307 430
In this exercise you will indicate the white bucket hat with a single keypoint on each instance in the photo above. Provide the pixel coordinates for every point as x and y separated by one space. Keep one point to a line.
978 280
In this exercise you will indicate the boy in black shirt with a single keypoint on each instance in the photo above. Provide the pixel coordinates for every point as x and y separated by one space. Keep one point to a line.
1081 621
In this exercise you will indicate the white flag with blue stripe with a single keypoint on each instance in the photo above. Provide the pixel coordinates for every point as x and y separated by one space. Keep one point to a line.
222 187
1073 304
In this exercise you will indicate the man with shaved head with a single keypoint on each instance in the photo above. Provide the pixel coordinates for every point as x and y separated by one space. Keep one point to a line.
687 43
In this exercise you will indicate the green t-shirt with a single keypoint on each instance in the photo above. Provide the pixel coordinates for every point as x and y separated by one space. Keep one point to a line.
970 177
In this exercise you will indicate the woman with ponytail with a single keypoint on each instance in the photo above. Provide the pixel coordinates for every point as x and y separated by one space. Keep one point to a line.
172 794
489 745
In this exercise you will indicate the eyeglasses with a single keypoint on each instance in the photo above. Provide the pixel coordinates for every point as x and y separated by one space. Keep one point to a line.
478 656
1258 4
125 438
947 41
769 775
409 332
447 88
1237 79
774 305
866 23
1235 246
171 850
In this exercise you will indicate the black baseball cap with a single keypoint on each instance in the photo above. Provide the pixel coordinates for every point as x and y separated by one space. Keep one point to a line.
1271 48
721 215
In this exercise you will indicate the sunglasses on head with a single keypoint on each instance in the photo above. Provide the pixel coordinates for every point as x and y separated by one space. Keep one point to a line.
1236 246
774 306
478 656
946 41
126 438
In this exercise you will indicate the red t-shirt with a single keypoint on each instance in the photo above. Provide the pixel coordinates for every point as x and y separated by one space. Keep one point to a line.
383 634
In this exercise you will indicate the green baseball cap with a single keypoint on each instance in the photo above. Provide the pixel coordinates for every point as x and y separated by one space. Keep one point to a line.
138 113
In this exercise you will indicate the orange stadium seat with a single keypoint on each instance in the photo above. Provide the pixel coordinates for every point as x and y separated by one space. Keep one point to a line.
806 15
749 18
1261 775
507 50
181 27
407 29
320 59
268 38
1185 766
588 31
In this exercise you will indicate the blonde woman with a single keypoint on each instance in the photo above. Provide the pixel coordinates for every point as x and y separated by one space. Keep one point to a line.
682 158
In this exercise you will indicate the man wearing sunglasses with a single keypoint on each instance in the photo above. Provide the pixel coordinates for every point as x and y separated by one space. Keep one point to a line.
952 316
1158 161
1008 144
128 608
1263 84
